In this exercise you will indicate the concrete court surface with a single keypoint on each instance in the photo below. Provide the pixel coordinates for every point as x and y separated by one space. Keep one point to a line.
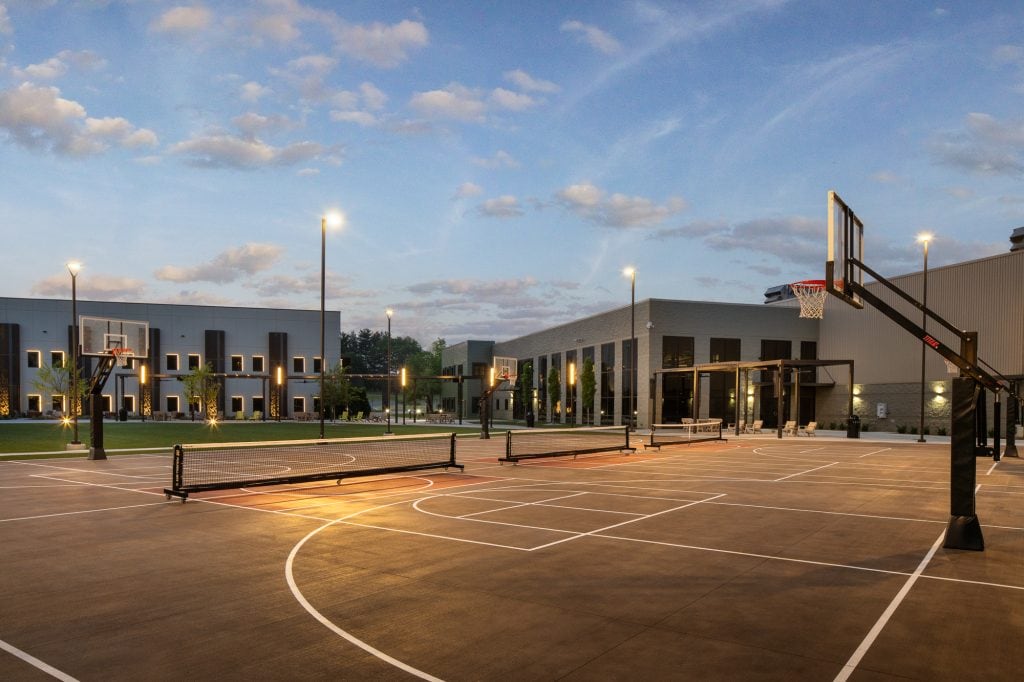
753 559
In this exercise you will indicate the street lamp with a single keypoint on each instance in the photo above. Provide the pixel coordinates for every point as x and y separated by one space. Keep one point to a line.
923 238
631 273
142 392
335 220
280 382
73 268
571 399
387 388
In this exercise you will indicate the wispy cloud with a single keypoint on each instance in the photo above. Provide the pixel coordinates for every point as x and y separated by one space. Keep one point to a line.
985 145
617 210
506 206
228 266
245 153
183 21
600 40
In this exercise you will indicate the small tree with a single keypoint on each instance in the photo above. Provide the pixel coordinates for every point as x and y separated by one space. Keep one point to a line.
337 390
202 384
57 380
588 388
554 392
525 385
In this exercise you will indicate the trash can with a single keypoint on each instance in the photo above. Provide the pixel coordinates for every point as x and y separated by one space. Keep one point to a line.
853 427
122 415
529 419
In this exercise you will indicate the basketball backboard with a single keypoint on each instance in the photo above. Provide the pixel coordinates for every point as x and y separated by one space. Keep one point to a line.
98 336
845 251
505 369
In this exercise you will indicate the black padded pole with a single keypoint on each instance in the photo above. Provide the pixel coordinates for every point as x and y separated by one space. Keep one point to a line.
964 529
1012 406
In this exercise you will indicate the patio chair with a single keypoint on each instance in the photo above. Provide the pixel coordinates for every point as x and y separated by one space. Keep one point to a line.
789 428
808 430
756 426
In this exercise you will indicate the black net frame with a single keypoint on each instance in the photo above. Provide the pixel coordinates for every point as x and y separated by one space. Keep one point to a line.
537 443
701 431
220 466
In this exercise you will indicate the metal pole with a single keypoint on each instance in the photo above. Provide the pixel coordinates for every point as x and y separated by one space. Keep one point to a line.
323 265
924 324
632 351
387 385
75 400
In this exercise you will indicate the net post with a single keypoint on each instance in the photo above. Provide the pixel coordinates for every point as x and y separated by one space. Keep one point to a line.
508 444
177 484
627 437
451 459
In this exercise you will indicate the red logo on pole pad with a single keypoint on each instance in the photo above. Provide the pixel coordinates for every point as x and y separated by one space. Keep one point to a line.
930 341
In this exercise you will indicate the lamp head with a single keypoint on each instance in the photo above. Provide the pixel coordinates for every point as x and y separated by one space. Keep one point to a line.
334 219
73 267
389 312
629 272
925 237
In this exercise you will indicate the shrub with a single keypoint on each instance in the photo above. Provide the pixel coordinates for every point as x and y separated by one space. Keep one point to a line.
942 430
913 430
901 429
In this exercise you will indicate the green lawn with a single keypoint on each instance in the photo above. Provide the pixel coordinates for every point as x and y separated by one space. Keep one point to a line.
51 437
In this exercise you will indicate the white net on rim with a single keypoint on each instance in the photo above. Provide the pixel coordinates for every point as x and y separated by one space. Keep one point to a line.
951 367
812 298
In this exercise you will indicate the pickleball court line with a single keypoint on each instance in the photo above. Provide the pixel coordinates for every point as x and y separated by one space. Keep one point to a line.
36 663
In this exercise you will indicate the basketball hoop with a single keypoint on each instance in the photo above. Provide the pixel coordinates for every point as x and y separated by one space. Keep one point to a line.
811 294
122 356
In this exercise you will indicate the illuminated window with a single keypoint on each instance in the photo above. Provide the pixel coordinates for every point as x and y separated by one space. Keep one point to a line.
57 358
316 365
236 363
173 403
193 361
34 403
298 404
257 363
171 362
33 359
299 365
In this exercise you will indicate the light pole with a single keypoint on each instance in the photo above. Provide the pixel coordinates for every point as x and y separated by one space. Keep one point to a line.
923 238
73 268
335 220
571 399
387 387
142 392
631 273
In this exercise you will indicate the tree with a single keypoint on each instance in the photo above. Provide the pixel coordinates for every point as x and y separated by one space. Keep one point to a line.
337 390
525 385
57 380
554 392
202 384
588 388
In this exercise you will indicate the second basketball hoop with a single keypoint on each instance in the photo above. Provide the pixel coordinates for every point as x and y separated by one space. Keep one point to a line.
811 294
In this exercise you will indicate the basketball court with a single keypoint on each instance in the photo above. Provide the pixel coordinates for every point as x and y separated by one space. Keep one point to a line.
755 558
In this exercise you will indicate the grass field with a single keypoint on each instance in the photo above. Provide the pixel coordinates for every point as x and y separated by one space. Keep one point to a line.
53 437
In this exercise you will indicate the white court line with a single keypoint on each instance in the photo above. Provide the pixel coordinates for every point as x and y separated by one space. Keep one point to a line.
851 665
873 452
801 473
515 505
623 523
323 620
35 662
991 468
84 511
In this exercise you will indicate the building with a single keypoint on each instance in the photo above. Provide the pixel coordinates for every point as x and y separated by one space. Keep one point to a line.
267 360
982 295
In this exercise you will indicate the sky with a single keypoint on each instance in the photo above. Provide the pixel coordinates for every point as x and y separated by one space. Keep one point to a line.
496 164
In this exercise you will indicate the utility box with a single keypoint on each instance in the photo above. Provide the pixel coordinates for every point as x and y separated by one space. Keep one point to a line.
882 410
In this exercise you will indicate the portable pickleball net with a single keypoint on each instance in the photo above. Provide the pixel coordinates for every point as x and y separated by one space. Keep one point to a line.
219 466
700 431
537 443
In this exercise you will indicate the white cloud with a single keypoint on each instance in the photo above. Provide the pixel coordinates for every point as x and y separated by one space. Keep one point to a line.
985 145
1009 54
793 239
308 172
382 45
506 206
277 27
252 123
618 210
501 159
528 83
363 118
229 151
455 101
468 189
513 101
356 107
886 177
253 91
228 266
318 64
37 117
373 98
183 21
96 286
57 66
5 22
593 36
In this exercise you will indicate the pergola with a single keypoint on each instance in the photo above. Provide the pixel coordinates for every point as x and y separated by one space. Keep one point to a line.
742 370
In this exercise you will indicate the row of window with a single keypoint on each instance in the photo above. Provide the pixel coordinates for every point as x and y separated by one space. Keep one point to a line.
172 363
172 403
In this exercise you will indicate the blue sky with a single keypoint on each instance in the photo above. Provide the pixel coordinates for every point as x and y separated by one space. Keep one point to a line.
498 164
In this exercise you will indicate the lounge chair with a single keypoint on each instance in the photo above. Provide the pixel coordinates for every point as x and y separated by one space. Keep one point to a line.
808 430
239 415
756 426
789 428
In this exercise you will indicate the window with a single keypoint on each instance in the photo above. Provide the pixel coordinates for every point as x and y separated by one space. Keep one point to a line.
236 363
108 403
34 403
676 351
33 360
257 403
57 358
629 379
299 365
607 378
316 404
173 403
193 361
237 404
298 404
316 365
128 403
171 362
257 363
722 395
57 403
